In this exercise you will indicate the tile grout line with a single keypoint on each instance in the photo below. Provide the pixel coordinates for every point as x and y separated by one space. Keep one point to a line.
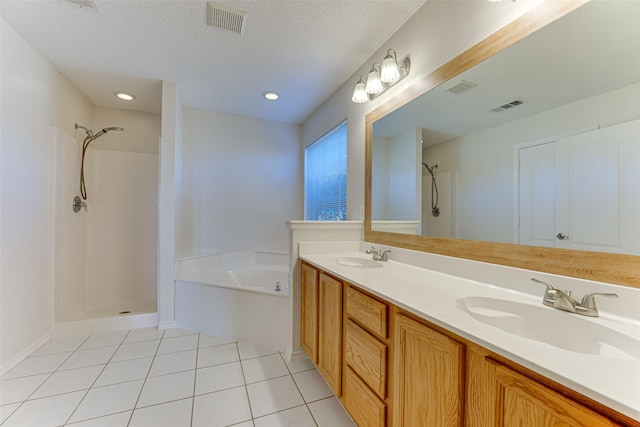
22 402
244 380
162 339
133 410
94 381
195 381
306 404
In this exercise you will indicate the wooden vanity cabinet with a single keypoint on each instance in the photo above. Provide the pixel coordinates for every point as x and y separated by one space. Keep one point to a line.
389 367
309 290
521 401
428 376
330 331
321 323
499 395
366 358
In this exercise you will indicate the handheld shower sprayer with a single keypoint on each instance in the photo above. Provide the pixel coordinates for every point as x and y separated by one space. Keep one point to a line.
105 130
435 210
88 140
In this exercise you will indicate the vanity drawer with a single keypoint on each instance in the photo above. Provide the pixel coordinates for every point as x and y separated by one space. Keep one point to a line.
369 312
361 403
368 357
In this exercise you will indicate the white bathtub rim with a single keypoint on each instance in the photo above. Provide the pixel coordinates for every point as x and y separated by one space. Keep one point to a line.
280 294
221 259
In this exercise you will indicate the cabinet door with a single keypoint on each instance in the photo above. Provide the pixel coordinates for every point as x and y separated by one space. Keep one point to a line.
330 338
523 402
428 376
309 311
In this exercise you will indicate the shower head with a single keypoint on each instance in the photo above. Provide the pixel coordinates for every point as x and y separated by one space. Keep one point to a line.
105 130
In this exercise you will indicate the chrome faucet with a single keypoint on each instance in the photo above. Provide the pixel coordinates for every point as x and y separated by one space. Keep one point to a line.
378 254
562 300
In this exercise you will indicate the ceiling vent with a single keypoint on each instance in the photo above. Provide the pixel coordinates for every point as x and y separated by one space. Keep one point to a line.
225 17
84 4
508 105
462 86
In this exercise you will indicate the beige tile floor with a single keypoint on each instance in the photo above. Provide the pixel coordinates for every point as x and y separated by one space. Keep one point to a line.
172 378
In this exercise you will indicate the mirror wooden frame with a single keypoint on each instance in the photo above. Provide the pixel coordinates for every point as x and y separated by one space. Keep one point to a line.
598 266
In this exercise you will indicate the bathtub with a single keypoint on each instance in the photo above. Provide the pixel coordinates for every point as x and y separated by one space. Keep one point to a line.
243 296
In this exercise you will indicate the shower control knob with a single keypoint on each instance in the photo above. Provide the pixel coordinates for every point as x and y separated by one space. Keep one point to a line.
562 236
78 204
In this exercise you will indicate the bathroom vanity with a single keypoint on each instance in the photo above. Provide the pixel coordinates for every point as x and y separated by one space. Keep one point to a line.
451 330
402 345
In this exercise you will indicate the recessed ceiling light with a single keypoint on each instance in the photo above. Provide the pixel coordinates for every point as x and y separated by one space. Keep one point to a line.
271 96
124 96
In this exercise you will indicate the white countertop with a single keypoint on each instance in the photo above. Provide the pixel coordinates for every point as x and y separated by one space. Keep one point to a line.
602 373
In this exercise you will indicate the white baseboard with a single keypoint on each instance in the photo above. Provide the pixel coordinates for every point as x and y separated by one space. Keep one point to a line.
6 367
292 356
107 324
169 324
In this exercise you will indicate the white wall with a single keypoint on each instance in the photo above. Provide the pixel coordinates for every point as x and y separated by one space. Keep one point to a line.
35 97
437 33
141 130
169 209
241 181
380 177
69 228
396 177
121 229
406 181
485 160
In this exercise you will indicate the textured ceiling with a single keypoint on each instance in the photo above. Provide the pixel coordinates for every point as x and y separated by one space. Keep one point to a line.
304 50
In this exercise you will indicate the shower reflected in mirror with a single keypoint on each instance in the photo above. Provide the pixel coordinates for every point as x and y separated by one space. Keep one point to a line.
435 210
89 138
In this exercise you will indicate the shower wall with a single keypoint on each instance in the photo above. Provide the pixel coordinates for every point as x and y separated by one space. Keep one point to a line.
105 257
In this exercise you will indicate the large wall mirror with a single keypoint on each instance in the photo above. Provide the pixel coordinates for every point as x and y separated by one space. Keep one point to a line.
526 155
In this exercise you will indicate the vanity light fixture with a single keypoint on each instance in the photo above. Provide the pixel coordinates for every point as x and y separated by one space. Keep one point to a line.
381 78
124 96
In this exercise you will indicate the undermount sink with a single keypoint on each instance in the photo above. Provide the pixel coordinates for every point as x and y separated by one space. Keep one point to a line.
557 328
352 261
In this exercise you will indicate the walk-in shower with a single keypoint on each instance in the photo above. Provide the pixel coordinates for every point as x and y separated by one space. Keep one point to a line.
88 140
105 253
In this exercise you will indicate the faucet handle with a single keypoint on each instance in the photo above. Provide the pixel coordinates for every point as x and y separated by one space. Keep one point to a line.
549 287
550 294
589 300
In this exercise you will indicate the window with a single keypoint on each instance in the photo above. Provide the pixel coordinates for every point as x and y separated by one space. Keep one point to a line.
325 180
